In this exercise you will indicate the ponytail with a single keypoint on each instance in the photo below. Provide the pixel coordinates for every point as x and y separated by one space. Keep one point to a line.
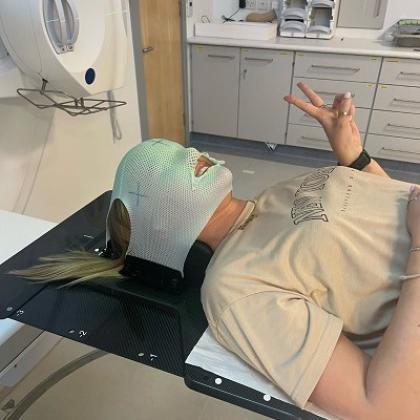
81 265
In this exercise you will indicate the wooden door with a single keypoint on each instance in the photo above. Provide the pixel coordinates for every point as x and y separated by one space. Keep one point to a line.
160 23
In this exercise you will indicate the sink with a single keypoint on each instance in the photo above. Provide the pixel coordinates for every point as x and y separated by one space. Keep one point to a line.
237 30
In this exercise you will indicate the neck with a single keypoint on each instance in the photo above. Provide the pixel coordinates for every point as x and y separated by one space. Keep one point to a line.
222 221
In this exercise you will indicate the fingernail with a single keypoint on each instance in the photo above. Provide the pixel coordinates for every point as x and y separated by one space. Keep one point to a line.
412 188
347 95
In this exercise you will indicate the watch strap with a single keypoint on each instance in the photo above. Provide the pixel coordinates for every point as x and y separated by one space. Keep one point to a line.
361 162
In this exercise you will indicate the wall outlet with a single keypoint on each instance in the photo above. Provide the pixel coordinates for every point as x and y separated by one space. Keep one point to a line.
251 4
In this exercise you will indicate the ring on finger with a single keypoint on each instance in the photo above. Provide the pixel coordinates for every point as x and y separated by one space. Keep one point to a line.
322 106
343 114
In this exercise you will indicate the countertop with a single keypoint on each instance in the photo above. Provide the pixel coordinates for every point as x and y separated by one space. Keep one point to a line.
338 45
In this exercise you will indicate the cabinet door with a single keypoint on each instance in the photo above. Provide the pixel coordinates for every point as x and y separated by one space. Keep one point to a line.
352 68
394 148
398 98
368 14
215 87
265 79
398 71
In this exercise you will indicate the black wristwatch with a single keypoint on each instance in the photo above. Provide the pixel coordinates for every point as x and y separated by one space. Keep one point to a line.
361 162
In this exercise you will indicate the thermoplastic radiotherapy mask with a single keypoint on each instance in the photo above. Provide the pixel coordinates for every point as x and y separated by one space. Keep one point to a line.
168 205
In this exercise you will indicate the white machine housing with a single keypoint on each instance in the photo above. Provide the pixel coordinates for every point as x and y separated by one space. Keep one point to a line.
77 46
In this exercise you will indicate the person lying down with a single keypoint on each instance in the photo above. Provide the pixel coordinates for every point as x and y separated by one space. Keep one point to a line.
315 283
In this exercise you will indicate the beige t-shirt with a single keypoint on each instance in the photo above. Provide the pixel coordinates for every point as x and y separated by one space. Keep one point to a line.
318 255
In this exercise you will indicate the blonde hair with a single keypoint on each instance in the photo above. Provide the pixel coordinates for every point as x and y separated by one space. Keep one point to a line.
82 265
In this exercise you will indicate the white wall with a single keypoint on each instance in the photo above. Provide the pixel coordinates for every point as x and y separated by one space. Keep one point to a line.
79 160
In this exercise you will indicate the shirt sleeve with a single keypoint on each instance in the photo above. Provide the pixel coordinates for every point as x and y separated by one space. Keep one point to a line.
283 336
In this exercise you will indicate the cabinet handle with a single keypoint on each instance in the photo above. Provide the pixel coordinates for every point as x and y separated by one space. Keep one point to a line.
378 6
331 93
261 60
244 73
406 74
313 139
402 126
306 116
385 149
406 101
226 57
336 68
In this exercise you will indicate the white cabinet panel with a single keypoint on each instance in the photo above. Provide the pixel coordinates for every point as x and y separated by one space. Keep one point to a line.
369 14
398 98
306 136
363 93
353 68
264 80
398 71
215 89
299 117
395 124
393 148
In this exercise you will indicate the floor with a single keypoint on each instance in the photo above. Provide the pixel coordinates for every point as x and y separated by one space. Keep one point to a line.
111 387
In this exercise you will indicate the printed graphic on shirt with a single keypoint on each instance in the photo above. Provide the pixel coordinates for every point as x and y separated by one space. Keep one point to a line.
308 198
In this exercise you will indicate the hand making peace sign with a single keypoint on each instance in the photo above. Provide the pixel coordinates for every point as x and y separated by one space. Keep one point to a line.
337 121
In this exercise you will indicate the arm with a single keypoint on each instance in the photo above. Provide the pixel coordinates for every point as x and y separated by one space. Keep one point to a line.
375 168
342 131
386 386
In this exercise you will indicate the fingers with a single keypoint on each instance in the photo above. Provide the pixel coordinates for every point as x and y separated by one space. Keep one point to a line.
337 101
301 104
315 99
345 107
353 112
414 195
414 192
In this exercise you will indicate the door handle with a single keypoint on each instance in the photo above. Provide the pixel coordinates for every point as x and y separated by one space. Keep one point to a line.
260 60
409 152
336 68
147 50
378 7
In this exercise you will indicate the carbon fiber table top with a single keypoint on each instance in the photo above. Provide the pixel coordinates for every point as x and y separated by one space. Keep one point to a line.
123 316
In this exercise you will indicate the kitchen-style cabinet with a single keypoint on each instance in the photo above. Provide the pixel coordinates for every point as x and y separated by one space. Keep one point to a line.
238 92
394 131
215 89
368 14
265 78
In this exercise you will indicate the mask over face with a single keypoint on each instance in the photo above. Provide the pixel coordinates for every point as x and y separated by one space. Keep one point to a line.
168 205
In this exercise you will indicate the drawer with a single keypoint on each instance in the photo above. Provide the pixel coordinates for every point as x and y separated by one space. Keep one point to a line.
353 68
306 136
363 93
394 148
299 117
398 98
395 124
396 71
